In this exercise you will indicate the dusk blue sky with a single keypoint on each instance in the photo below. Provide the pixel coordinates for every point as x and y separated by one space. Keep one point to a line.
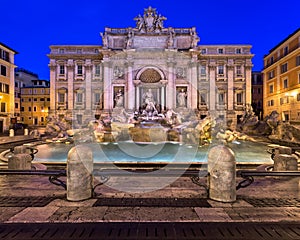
30 27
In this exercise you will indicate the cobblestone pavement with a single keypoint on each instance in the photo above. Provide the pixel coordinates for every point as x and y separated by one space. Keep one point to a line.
35 199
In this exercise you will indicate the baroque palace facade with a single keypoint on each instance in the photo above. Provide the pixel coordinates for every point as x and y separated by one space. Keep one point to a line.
149 58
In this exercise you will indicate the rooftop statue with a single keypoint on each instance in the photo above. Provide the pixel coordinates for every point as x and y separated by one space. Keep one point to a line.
150 21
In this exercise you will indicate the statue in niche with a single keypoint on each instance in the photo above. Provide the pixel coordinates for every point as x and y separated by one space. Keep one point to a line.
181 98
119 98
148 97
104 40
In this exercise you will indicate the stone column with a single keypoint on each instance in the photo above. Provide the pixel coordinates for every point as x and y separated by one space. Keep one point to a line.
230 84
130 93
70 74
193 90
137 93
171 88
107 89
212 87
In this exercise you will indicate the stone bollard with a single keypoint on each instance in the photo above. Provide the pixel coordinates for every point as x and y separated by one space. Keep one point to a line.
11 132
26 131
222 174
20 161
79 173
20 149
285 162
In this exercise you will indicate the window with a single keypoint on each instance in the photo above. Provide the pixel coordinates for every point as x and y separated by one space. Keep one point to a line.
3 70
61 69
29 109
272 60
271 103
3 107
220 70
79 119
271 74
220 50
79 51
16 105
238 51
42 99
203 51
61 50
22 109
203 70
203 97
79 69
285 83
42 119
35 99
286 51
299 78
298 61
271 88
239 70
97 70
221 98
258 90
34 109
298 97
284 68
239 98
96 50
97 98
4 55
5 88
61 97
48 99
79 97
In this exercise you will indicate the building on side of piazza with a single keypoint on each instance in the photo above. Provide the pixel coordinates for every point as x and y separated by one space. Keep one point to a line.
152 59
35 102
7 84
282 79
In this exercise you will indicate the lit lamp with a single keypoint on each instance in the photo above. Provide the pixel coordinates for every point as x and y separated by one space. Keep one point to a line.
1 97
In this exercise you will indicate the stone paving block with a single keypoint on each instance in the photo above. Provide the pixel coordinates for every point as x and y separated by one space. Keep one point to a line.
34 214
79 214
6 213
212 215
263 214
150 214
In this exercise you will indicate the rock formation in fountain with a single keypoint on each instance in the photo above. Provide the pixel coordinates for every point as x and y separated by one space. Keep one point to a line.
57 128
249 123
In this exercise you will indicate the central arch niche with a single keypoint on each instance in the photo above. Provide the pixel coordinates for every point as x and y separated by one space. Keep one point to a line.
151 79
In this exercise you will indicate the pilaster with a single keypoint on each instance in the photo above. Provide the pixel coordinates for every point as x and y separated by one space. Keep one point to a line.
70 74
212 87
230 83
